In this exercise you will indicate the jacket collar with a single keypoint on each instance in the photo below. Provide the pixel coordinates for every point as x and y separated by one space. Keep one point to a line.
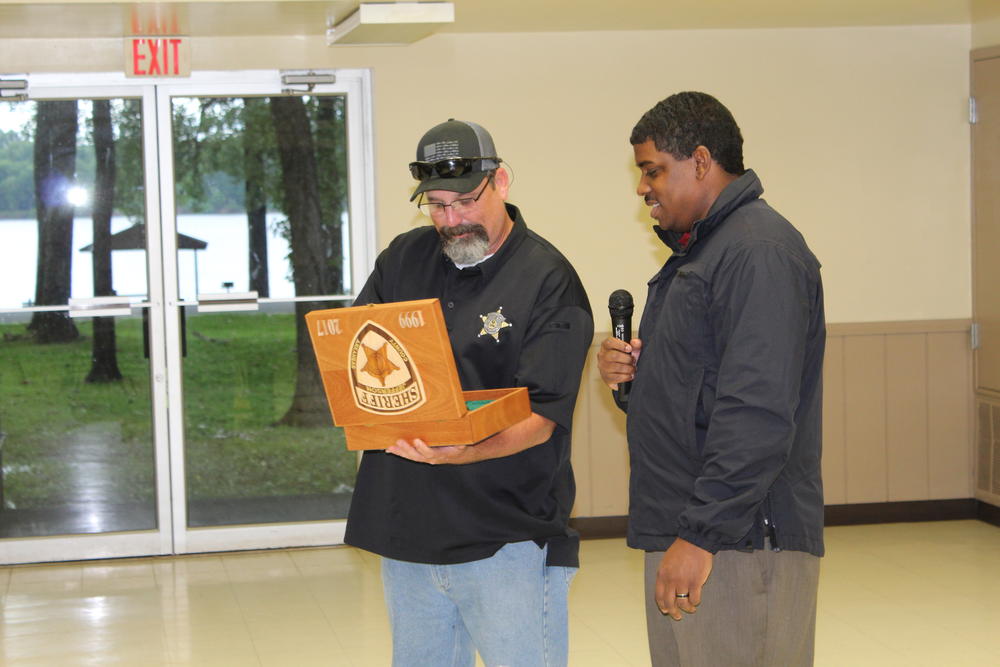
743 190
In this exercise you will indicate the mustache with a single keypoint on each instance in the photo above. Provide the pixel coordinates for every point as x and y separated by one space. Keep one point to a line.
449 233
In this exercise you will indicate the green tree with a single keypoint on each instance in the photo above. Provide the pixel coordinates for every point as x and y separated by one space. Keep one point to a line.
208 159
130 172
257 138
16 187
104 353
227 148
331 155
54 171
313 198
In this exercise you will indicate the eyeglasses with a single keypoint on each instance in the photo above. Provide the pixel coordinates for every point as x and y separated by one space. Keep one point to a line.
459 206
452 167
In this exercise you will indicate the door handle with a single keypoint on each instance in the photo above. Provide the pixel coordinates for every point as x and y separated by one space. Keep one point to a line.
227 302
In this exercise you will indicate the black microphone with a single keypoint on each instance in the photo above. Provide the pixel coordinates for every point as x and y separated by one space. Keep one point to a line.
620 306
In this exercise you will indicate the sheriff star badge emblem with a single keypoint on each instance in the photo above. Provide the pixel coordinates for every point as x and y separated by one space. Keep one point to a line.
493 323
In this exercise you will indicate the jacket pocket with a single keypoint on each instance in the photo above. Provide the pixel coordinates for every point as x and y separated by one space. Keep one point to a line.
695 420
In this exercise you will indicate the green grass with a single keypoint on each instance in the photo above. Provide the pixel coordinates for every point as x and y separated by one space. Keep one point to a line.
238 380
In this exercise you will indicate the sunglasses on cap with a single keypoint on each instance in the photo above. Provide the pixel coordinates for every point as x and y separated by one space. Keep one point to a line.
452 167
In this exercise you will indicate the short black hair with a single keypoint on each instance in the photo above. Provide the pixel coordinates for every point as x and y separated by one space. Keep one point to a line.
684 121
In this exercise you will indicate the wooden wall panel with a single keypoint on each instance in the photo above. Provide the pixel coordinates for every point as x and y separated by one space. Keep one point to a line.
865 419
995 485
984 446
610 490
906 417
600 450
834 445
949 415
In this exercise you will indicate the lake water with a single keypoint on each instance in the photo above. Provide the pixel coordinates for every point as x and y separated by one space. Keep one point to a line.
224 259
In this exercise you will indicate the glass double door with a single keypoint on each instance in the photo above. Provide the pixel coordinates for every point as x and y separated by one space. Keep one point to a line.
159 246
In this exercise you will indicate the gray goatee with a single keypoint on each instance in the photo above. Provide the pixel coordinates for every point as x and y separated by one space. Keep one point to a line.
468 249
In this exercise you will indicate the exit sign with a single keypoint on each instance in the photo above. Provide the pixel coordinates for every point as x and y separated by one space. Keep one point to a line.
157 56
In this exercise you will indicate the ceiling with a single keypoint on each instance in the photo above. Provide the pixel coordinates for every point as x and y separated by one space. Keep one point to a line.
81 18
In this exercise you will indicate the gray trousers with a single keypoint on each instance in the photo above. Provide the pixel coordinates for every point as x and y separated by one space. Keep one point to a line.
758 609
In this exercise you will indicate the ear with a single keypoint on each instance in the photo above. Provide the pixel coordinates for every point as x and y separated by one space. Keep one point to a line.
502 181
703 162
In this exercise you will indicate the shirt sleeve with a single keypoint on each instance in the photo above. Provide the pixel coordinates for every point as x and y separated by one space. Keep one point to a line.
759 315
372 290
555 348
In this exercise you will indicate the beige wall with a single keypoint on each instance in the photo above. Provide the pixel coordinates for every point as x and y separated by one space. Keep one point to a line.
985 23
986 33
859 135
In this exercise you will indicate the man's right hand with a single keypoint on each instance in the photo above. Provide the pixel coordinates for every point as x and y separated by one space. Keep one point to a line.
616 360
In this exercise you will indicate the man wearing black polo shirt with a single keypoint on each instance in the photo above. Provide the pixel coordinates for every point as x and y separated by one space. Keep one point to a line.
476 550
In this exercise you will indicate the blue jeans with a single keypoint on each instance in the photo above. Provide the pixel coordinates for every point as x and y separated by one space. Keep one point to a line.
510 607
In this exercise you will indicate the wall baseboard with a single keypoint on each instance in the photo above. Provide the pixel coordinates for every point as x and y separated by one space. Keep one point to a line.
988 513
901 512
603 527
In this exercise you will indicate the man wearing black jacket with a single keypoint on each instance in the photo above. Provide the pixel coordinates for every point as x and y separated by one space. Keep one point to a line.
724 412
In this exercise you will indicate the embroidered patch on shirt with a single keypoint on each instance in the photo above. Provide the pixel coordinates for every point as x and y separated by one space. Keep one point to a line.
493 323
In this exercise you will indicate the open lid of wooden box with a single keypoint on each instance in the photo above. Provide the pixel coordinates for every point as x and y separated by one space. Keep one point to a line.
389 373
387 363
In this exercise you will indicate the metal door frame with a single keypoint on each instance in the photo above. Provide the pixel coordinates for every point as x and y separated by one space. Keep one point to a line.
172 535
356 84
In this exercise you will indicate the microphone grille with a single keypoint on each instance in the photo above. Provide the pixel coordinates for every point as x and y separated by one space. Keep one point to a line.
620 299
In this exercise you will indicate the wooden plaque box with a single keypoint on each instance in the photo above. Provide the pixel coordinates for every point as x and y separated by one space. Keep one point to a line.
389 373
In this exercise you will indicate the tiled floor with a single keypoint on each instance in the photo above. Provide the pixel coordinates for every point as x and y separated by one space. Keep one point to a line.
900 594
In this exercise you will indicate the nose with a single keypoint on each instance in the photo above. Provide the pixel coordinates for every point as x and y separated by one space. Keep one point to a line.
451 217
642 188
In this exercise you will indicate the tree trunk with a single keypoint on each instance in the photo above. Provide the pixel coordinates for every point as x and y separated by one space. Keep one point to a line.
256 199
104 358
55 169
310 268
331 158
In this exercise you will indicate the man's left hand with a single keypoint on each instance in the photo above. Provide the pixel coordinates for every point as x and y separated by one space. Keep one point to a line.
683 571
419 451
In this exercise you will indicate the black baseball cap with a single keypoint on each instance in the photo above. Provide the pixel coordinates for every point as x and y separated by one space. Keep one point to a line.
455 156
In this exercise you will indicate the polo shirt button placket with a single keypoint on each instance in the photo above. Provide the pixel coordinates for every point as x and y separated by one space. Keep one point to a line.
450 305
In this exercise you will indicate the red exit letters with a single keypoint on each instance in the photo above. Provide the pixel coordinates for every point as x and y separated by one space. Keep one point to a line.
156 56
